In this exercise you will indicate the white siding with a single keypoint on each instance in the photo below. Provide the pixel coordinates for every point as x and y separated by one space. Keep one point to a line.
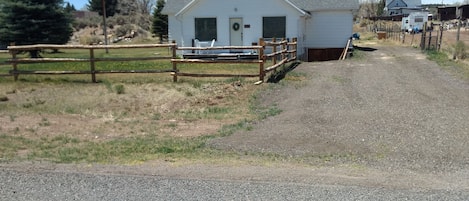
251 12
329 29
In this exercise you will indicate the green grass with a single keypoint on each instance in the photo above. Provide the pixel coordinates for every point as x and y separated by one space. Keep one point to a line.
458 68
64 149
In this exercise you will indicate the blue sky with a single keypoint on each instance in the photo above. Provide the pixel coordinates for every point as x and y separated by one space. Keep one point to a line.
439 1
79 4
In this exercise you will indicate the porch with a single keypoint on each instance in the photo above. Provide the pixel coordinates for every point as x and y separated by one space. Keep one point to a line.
223 56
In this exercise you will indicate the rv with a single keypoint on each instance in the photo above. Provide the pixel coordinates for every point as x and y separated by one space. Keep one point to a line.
414 22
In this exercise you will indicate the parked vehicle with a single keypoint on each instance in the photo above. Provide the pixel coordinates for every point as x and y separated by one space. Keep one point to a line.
414 22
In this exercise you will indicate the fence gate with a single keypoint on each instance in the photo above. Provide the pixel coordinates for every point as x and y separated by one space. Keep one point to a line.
431 38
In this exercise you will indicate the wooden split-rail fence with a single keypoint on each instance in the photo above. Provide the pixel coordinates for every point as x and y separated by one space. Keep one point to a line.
282 52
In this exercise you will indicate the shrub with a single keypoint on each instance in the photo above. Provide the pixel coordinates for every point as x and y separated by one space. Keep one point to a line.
88 40
120 89
3 98
123 30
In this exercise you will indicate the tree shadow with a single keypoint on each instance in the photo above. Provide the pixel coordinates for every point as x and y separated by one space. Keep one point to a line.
280 75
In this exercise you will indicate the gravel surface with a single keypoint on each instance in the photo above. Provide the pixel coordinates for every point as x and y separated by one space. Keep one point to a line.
391 109
81 186
386 126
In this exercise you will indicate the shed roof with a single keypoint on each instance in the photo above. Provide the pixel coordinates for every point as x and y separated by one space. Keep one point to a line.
174 6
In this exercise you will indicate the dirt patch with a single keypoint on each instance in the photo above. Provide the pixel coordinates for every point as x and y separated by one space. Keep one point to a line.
97 112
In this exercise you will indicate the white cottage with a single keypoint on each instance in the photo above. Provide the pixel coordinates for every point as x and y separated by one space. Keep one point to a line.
319 25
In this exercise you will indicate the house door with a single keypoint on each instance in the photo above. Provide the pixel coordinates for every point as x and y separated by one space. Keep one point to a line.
236 31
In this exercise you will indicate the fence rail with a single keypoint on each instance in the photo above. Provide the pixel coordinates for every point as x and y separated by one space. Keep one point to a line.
15 50
283 51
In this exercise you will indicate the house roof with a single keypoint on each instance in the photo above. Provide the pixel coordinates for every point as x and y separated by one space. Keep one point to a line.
314 5
175 6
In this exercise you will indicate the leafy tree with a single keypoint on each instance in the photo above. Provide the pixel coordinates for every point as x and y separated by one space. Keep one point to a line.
27 22
160 21
97 6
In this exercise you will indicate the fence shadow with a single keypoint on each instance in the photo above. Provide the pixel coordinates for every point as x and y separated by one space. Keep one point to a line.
280 75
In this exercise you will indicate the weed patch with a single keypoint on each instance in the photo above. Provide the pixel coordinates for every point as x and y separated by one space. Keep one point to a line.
457 68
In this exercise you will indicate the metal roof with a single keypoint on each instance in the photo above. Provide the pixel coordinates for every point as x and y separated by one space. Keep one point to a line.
174 6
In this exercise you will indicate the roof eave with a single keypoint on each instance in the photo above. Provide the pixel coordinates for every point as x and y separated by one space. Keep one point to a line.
303 13
190 4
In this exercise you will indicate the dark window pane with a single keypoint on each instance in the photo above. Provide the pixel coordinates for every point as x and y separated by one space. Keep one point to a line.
205 29
273 27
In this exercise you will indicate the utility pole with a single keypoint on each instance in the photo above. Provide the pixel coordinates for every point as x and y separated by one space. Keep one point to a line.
104 22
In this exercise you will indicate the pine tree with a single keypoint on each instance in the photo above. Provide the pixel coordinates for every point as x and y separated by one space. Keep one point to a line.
69 8
97 6
381 5
160 21
26 22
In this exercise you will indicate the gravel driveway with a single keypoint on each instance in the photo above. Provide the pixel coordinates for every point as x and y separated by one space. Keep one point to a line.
389 109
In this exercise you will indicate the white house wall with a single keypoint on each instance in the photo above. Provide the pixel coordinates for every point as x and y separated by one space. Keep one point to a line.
329 29
183 29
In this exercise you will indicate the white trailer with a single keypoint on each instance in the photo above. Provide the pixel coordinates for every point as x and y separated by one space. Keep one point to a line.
414 22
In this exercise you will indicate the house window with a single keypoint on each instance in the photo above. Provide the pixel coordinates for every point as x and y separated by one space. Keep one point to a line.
274 27
206 29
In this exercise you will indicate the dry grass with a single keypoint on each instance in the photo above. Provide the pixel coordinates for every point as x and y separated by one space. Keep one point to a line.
123 118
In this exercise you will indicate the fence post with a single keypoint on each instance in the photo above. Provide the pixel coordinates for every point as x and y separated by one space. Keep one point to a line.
92 61
15 64
424 36
429 41
262 58
274 50
175 69
284 49
403 36
295 48
440 37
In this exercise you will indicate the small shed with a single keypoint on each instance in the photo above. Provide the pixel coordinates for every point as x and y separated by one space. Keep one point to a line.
446 13
463 12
